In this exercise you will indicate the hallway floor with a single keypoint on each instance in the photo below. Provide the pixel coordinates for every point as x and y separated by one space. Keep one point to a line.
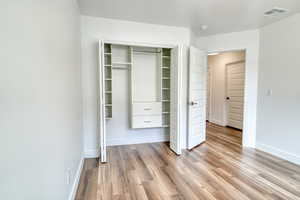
218 169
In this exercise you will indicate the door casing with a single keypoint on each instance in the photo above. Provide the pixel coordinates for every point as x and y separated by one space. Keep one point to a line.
175 145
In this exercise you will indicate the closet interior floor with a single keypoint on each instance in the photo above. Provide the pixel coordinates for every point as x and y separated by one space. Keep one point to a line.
218 169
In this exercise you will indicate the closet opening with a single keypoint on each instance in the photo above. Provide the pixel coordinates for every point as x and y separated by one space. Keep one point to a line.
138 95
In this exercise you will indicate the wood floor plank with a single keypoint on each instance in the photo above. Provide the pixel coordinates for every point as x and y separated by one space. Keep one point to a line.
219 169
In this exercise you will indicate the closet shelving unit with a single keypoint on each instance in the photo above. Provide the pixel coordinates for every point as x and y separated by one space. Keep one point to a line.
114 59
166 86
108 80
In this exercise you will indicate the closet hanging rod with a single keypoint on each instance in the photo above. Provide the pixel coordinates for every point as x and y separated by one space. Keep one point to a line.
146 51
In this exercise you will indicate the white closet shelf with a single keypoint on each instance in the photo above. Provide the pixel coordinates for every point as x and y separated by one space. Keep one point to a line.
165 88
165 100
167 57
166 78
165 113
165 67
107 53
165 126
115 67
108 104
121 63
108 79
108 92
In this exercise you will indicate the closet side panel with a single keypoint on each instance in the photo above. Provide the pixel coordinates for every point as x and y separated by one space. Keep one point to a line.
176 65
101 103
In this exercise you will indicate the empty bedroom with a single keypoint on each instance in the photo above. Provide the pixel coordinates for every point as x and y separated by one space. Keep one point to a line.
149 100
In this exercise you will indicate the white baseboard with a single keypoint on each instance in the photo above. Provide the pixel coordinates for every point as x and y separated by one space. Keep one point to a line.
217 122
92 153
279 153
76 180
136 140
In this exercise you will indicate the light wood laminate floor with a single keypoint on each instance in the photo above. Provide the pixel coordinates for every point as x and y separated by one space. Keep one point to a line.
218 169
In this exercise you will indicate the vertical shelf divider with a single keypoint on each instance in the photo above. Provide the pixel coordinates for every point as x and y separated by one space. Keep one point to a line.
131 84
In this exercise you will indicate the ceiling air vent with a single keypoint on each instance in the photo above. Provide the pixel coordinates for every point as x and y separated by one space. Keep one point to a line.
275 11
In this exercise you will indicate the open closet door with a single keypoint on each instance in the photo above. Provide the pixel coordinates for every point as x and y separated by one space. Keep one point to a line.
197 97
176 77
101 104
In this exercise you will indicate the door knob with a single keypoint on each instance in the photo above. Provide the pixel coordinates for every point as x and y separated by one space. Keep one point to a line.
227 98
193 103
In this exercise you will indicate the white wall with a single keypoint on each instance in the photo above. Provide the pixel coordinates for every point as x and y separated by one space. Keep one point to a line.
193 38
279 114
94 29
217 67
248 40
40 98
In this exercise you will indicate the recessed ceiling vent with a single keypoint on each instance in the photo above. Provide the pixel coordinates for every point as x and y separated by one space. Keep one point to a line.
275 12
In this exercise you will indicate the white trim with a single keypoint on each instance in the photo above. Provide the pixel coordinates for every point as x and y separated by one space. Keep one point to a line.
101 104
92 153
221 123
176 100
76 180
209 77
135 140
140 44
279 153
179 93
250 102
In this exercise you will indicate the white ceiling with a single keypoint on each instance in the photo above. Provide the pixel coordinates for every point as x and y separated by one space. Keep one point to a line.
220 16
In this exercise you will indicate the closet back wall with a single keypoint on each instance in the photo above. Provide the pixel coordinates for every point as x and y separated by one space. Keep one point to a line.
94 29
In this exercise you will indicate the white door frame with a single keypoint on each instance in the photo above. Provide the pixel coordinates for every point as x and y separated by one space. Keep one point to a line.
209 78
100 100
249 132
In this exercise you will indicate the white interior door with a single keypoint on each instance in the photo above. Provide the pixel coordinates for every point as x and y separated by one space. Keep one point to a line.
101 104
176 84
197 97
235 75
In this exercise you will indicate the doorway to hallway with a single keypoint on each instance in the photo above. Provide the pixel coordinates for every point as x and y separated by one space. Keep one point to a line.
225 89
